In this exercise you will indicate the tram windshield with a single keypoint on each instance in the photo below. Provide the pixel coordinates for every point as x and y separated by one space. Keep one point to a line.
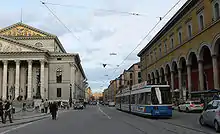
161 95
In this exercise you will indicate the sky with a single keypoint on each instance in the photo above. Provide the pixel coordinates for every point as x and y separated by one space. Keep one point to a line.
93 31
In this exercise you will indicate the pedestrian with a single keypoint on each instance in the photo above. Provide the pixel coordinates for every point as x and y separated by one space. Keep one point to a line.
84 104
46 105
2 112
8 109
54 109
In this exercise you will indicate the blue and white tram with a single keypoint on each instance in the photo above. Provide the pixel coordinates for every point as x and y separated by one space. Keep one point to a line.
152 100
123 100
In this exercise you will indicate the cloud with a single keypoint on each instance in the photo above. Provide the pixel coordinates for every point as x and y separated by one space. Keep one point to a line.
100 32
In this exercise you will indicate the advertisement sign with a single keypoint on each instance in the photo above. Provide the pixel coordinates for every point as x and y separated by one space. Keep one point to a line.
139 86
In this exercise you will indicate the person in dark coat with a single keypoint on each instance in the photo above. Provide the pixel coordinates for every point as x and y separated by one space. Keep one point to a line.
54 109
2 112
8 109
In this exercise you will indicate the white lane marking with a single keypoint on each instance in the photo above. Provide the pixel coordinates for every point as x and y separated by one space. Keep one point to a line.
101 112
18 127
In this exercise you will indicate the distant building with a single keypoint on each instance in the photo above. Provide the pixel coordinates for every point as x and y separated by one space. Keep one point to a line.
88 94
128 78
97 95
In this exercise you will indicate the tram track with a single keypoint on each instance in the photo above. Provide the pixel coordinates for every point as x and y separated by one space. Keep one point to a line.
186 127
155 123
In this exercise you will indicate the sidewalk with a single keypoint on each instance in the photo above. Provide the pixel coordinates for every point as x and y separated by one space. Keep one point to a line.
18 120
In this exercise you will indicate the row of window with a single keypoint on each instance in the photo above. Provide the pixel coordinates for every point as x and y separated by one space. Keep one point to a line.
153 56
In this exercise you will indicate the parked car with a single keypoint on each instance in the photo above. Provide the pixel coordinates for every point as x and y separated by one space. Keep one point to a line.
211 115
78 105
190 106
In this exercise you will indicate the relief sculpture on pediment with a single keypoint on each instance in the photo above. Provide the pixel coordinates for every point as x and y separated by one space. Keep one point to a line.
21 31
10 48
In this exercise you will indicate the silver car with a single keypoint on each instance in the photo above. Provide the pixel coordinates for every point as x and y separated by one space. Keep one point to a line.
211 115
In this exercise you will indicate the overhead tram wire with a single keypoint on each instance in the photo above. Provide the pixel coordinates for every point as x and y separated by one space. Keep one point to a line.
161 18
98 9
59 20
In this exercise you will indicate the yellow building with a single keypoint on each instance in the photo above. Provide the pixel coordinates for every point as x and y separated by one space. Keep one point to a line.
185 52
97 95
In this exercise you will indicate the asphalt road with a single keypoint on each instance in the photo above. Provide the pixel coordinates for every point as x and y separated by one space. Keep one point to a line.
105 120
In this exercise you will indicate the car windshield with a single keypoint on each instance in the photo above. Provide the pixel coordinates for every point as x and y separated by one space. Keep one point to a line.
196 102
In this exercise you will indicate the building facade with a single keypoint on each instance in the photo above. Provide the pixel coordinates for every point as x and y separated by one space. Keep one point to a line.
185 52
88 94
127 79
97 95
34 65
105 95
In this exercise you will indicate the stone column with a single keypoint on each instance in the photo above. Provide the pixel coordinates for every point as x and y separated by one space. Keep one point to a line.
29 92
172 83
215 71
180 82
46 82
42 62
4 87
17 80
166 79
160 79
201 75
189 78
156 82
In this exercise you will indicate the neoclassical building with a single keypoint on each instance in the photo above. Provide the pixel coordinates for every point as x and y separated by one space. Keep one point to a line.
34 65
185 53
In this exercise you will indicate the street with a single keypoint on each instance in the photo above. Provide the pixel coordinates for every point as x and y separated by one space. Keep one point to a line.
103 119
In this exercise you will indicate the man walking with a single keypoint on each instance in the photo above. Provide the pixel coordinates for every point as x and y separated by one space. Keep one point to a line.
8 109
54 109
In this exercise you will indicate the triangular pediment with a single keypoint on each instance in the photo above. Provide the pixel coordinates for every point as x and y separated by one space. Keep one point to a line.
23 30
10 45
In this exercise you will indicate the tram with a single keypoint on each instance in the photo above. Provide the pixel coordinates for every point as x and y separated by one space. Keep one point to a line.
144 99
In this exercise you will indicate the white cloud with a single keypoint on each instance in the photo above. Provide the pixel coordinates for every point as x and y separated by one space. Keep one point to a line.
100 32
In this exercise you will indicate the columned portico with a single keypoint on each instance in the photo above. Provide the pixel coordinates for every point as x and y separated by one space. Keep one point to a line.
13 78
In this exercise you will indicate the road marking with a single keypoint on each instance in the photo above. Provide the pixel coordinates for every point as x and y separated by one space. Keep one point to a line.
101 112
18 127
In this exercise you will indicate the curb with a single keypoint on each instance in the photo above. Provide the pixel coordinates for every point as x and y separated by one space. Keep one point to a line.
40 117
24 122
30 117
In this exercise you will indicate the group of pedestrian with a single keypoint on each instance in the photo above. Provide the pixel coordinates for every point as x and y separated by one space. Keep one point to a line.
52 106
6 111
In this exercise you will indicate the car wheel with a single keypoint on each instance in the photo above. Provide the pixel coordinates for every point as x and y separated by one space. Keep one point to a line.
201 121
217 128
187 110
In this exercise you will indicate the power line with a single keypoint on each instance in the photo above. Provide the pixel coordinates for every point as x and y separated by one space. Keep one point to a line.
60 20
161 18
98 9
